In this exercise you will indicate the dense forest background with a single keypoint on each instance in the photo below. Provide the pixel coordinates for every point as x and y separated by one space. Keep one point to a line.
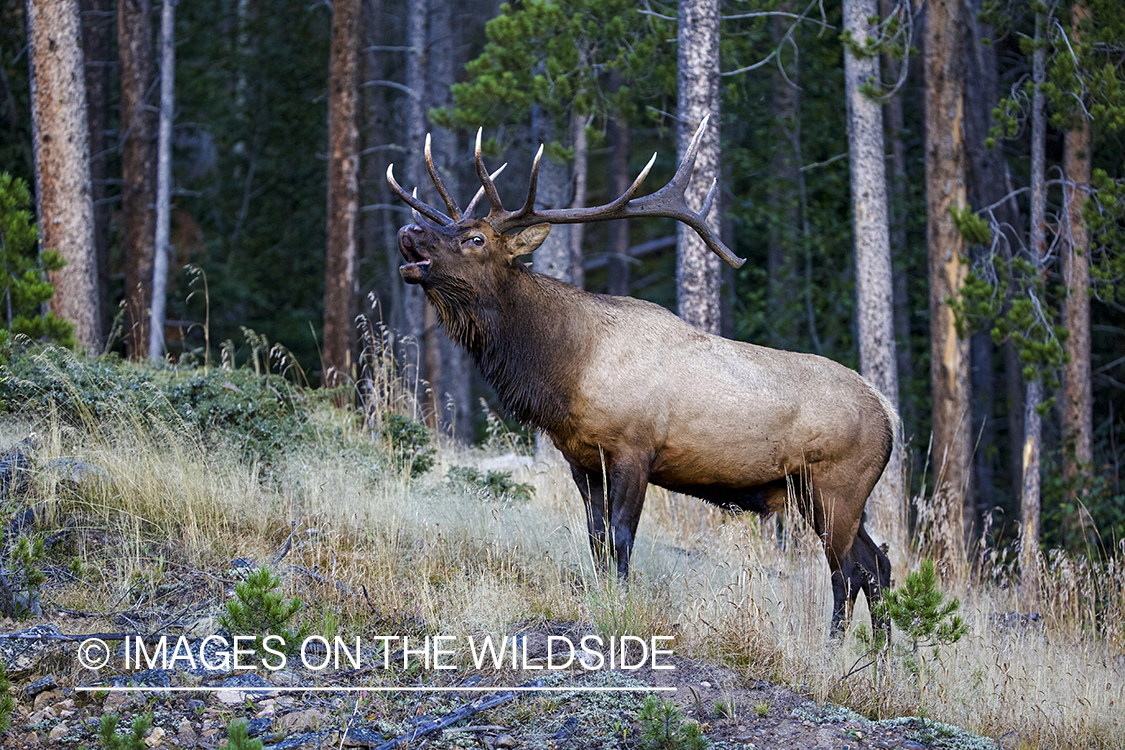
597 82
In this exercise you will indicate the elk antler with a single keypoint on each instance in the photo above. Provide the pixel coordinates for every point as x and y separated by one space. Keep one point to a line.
669 201
425 209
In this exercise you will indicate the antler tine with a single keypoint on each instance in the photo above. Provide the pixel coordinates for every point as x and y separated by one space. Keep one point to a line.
480 191
532 186
687 165
451 204
486 181
412 200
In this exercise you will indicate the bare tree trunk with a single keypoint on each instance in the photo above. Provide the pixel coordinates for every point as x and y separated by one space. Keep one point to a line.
581 172
895 122
784 198
698 279
137 141
410 352
341 273
163 180
97 24
874 293
1078 417
987 187
62 162
452 379
945 189
618 231
1032 421
553 256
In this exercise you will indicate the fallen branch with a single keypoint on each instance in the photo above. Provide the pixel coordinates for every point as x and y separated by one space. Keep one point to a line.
469 709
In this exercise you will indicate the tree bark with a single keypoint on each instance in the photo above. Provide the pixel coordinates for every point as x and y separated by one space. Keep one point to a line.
413 321
163 247
137 141
784 196
895 123
453 383
581 173
97 25
1078 417
987 186
618 231
874 290
553 256
945 190
698 278
62 162
1032 421
341 273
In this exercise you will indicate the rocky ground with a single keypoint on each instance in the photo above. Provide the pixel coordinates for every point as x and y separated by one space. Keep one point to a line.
53 709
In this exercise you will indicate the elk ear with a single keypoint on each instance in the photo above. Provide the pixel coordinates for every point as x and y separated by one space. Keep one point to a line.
528 240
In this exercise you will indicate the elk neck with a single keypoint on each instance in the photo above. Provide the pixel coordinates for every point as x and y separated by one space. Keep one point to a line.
525 333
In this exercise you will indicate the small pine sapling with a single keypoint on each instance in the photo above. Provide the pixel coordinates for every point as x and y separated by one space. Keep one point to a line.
663 727
238 737
259 609
922 612
135 740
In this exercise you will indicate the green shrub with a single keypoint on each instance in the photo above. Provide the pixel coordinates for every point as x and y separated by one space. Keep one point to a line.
494 485
7 702
260 414
24 286
407 443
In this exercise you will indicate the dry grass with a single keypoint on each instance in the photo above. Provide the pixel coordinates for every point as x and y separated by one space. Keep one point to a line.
753 594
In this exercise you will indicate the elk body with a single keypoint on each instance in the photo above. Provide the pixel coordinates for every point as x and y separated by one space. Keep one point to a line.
629 392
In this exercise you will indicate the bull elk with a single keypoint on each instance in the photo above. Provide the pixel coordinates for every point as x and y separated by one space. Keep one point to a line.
632 395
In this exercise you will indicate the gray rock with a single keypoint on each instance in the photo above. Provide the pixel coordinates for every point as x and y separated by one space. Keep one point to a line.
16 465
21 651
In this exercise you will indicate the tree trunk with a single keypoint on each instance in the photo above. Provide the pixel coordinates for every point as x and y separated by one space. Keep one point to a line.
452 385
62 162
698 279
97 25
987 186
341 273
553 256
784 197
137 141
413 322
895 123
581 172
874 293
945 190
163 180
1032 422
1078 417
619 181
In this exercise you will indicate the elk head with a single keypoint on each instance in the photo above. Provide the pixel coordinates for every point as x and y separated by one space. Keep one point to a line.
456 249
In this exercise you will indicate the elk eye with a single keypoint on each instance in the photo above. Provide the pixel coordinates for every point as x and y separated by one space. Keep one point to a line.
477 240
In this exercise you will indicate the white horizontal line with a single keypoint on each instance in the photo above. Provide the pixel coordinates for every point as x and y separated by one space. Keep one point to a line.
370 689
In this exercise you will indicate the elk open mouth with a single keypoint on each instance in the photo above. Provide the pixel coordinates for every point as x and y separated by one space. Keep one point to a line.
416 269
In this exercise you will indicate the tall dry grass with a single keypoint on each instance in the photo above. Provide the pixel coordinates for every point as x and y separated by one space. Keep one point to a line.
381 551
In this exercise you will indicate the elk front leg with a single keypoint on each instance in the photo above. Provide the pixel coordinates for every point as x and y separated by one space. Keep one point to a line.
592 489
628 481
612 513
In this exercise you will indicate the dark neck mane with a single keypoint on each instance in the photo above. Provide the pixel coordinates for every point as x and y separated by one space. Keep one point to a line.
522 339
